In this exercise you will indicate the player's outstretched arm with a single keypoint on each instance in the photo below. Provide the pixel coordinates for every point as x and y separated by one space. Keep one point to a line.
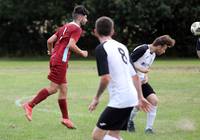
143 104
102 86
72 46
93 104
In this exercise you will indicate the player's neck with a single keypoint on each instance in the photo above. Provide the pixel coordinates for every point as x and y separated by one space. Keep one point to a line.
152 48
77 22
104 38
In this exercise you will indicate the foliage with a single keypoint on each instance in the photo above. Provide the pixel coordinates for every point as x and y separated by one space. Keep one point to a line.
25 25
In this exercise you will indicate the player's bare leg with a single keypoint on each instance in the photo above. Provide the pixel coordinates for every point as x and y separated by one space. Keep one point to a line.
153 99
131 124
98 134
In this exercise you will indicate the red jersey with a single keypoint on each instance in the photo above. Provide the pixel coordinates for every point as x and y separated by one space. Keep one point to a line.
61 52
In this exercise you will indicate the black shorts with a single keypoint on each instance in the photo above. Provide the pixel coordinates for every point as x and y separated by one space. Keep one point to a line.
147 90
114 118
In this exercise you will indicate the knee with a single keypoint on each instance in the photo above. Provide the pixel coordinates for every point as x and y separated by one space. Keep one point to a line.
155 101
63 92
95 136
63 89
52 90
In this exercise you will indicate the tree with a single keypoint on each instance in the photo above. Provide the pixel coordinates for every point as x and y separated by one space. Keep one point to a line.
25 25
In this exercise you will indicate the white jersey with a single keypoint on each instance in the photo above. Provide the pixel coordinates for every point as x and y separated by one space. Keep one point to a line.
113 59
142 56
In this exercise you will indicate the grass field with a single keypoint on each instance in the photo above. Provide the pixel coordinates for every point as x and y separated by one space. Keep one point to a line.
177 83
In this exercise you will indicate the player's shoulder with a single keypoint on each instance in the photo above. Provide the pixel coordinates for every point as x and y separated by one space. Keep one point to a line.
113 44
100 47
120 44
105 44
142 48
100 52
138 52
72 26
112 41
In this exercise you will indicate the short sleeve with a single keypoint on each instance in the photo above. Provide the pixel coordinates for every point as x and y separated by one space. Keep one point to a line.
138 52
76 34
132 67
101 59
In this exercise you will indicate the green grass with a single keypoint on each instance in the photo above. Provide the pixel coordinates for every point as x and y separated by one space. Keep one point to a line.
176 82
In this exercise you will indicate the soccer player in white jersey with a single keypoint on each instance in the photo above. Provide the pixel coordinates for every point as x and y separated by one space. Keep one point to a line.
142 58
116 72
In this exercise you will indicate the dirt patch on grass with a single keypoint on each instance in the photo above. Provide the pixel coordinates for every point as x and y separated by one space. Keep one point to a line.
186 125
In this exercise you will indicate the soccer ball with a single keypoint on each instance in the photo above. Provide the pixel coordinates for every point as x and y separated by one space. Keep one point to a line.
195 28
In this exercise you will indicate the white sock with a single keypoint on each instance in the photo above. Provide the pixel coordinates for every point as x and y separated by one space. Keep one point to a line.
108 137
133 114
151 117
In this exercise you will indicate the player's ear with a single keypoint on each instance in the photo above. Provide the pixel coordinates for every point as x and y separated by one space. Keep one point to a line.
80 17
95 33
112 32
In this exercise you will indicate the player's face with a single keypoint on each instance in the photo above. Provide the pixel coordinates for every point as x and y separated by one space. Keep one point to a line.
161 49
84 20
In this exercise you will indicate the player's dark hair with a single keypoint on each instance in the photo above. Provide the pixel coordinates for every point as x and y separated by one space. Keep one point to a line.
79 10
164 40
104 26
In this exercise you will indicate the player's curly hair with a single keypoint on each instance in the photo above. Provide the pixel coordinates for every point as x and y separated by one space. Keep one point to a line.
164 40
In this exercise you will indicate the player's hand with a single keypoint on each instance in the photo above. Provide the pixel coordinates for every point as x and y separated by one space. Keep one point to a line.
93 104
48 52
144 105
146 70
84 53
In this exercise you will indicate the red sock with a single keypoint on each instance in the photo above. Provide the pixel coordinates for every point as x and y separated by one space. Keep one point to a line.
42 94
63 108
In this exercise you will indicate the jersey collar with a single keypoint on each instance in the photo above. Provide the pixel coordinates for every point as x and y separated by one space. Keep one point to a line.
150 49
74 23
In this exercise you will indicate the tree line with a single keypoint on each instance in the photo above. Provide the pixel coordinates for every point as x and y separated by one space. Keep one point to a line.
26 25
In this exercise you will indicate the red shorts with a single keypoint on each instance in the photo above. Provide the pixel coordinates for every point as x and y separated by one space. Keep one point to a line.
57 72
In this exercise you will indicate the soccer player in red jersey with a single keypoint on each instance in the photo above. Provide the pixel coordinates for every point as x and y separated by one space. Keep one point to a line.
59 47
